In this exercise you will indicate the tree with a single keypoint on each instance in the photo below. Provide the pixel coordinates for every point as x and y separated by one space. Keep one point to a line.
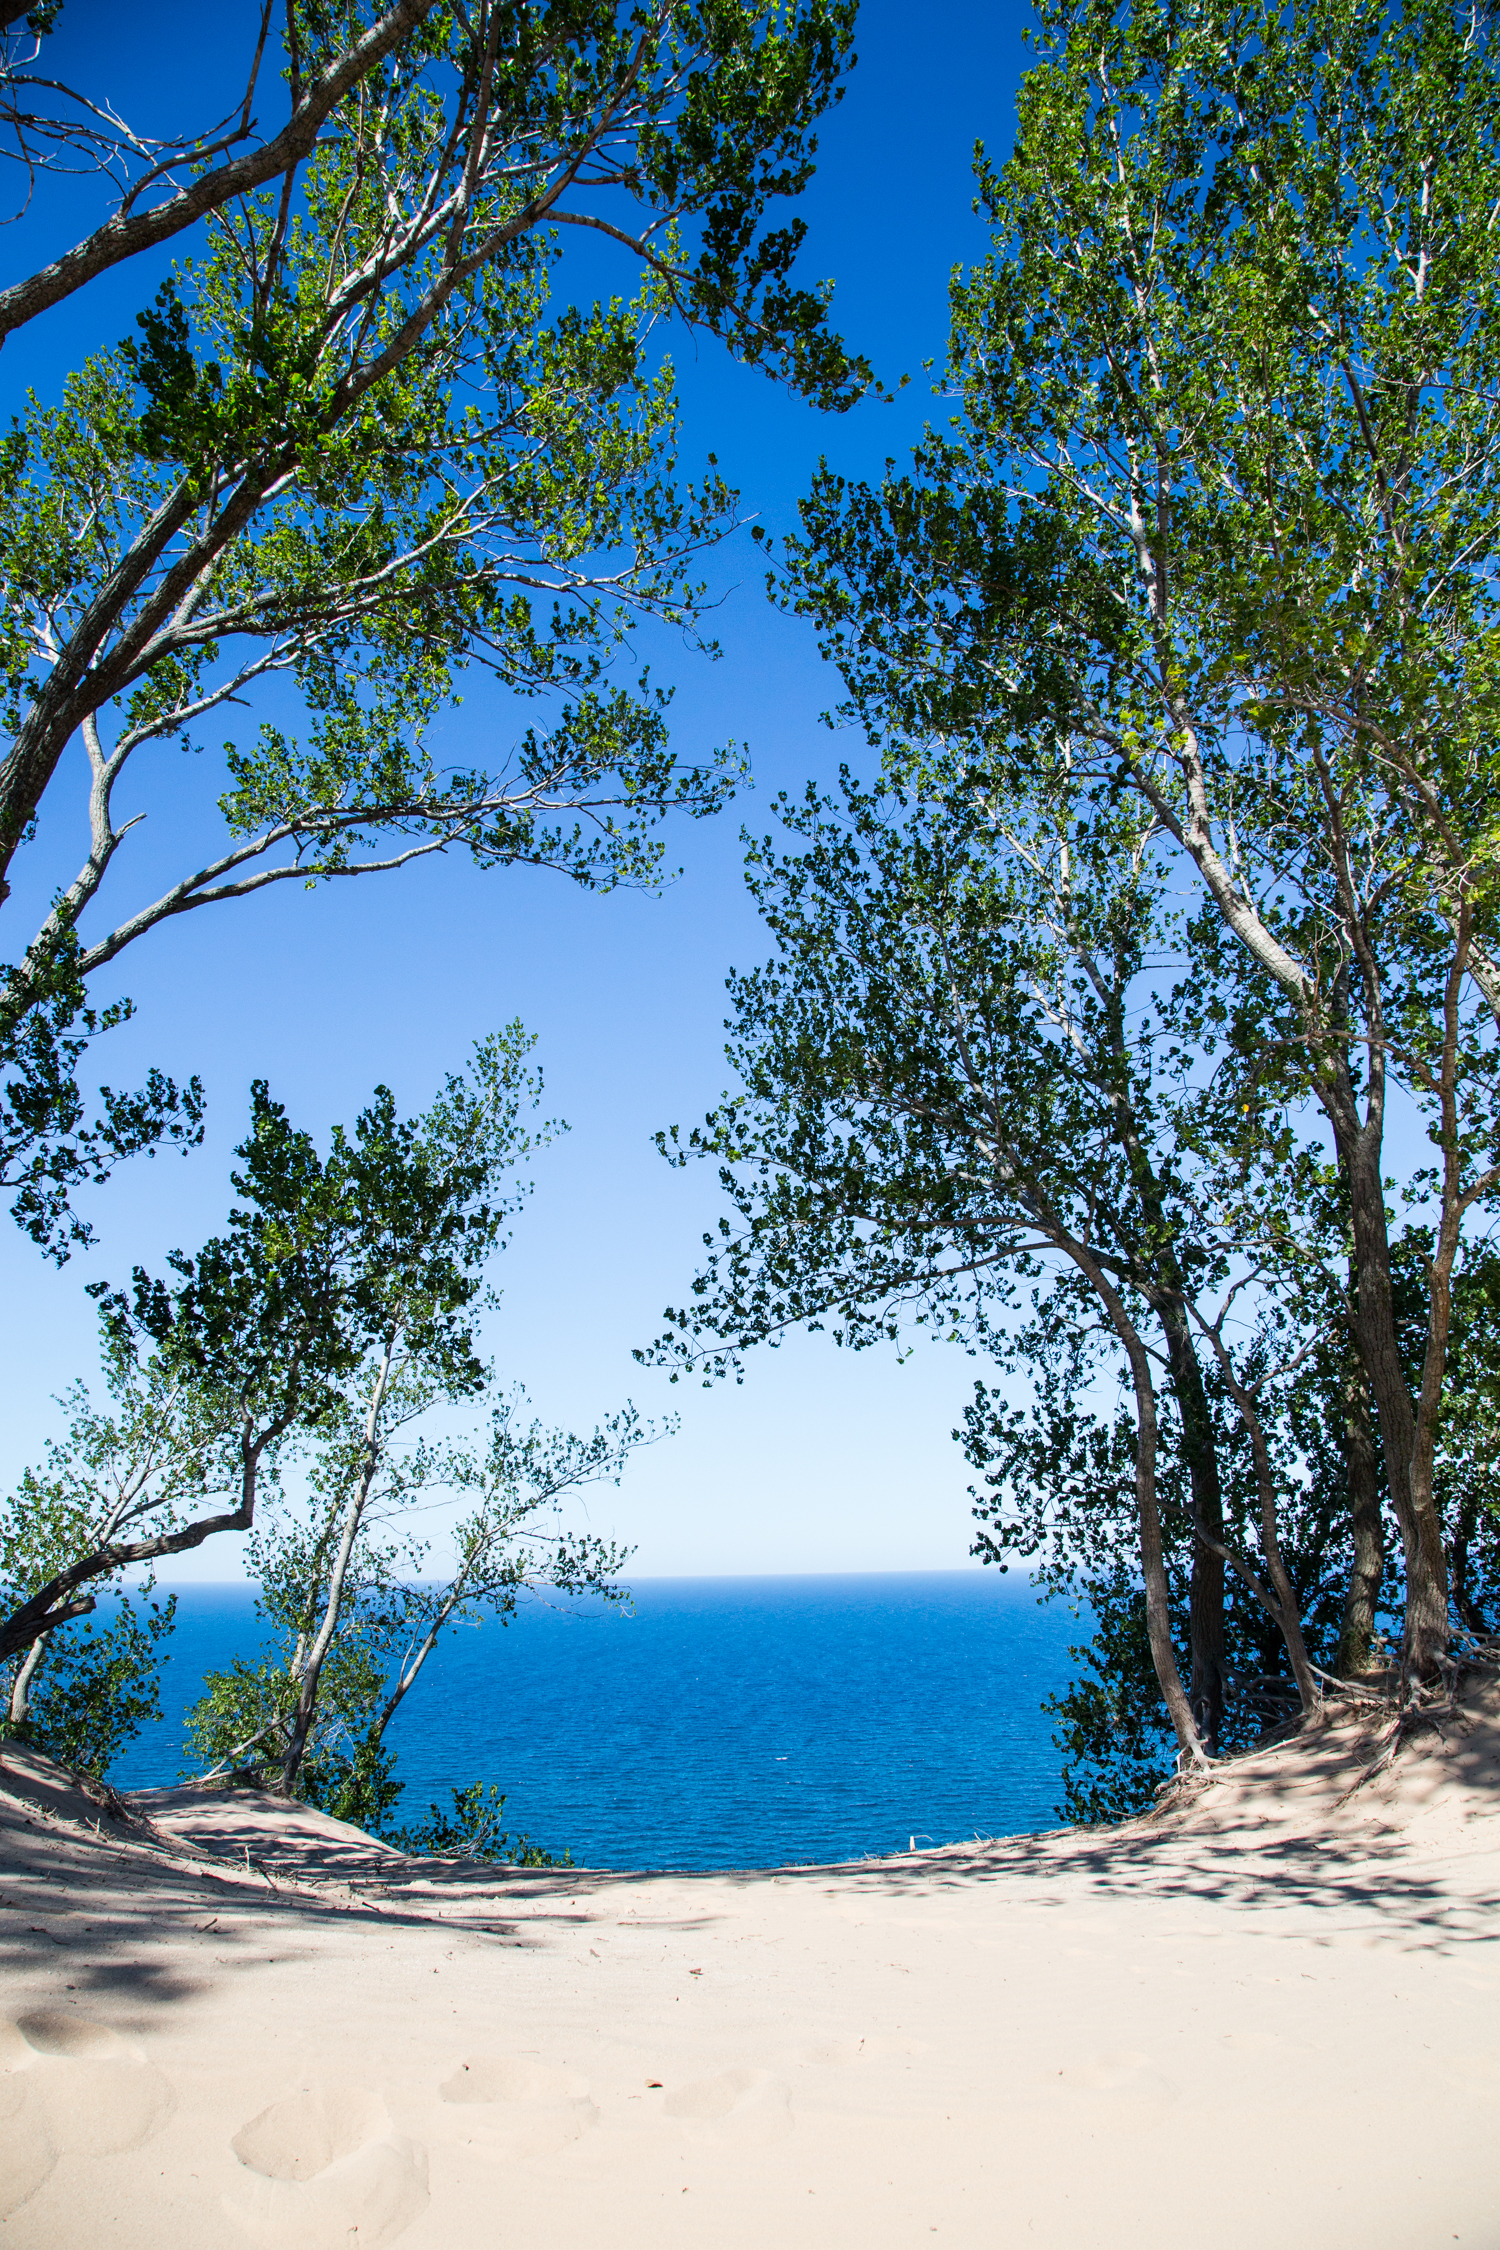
358 1278
510 1540
564 114
350 448
258 1336
1466 1450
83 1693
955 1072
353 1625
76 133
49 1145
84 1686
206 1381
1213 521
420 1197
336 1311
1057 1495
1057 1454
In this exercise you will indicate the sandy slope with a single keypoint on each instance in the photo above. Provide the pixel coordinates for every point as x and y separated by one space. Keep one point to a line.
1262 2018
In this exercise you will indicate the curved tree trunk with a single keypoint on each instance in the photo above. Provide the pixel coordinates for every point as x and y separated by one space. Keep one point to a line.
26 1670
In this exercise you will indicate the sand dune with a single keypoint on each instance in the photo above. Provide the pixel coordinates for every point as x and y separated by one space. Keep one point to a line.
1268 2014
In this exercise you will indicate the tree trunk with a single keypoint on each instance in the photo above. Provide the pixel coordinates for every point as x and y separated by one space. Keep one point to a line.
1206 1596
1358 1141
20 1693
1148 1512
1206 1631
354 1516
59 1601
1426 1623
312 1670
1367 1572
1166 1294
1286 1611
1280 1600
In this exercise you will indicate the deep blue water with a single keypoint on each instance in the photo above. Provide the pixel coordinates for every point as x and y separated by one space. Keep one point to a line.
730 1722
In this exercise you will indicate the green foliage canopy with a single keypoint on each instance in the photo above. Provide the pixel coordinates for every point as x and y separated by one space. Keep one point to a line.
1212 523
354 446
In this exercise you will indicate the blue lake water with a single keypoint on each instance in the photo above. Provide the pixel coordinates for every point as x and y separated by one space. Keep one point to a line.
730 1722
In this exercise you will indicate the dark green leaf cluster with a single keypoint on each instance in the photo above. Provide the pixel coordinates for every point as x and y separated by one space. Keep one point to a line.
327 1257
97 1686
260 1338
49 1145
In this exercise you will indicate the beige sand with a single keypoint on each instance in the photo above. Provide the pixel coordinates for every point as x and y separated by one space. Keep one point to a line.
1263 2018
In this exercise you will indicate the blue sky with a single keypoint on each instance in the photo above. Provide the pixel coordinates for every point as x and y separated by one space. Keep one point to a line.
822 1460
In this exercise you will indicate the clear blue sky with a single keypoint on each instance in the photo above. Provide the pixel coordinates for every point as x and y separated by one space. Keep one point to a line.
822 1460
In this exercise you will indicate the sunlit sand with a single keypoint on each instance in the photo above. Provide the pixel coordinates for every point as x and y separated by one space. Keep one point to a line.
238 2022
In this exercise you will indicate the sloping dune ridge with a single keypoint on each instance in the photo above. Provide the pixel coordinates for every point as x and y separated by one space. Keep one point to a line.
1266 2014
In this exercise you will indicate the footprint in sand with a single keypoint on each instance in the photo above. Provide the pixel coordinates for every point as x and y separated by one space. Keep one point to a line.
70 2085
27 2149
513 2105
738 2108
324 2168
